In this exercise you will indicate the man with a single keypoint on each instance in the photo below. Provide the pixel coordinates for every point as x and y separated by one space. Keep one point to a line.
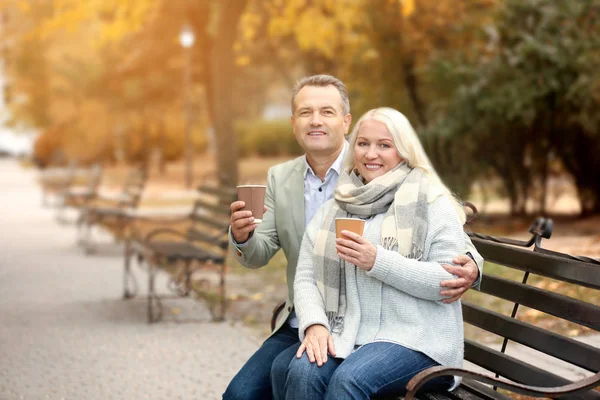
295 190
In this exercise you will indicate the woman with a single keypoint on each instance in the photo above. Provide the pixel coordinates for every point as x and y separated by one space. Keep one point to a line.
370 312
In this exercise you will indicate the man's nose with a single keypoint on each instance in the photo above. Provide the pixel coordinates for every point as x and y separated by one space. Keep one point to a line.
316 119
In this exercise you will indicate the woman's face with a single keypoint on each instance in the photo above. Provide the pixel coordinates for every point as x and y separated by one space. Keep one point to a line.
374 150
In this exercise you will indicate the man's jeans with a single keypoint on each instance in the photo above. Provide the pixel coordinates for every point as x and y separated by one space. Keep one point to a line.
253 381
378 368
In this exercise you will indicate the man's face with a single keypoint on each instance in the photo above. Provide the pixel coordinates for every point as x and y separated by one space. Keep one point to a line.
318 120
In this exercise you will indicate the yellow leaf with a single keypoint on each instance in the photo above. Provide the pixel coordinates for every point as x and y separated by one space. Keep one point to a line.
258 296
24 6
242 61
408 7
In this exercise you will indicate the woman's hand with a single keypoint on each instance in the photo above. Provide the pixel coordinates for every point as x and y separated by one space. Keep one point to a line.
357 250
317 341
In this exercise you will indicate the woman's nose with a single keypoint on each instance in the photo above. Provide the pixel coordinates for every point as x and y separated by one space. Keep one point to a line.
371 153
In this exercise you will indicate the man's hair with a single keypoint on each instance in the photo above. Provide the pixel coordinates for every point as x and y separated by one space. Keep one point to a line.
322 81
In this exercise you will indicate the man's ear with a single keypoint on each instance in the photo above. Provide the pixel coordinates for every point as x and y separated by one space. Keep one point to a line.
347 122
292 120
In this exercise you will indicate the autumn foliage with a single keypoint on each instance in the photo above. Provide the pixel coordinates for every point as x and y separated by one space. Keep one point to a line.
500 90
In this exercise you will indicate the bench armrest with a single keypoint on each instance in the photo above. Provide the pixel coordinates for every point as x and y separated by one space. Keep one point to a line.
276 311
536 391
161 220
141 227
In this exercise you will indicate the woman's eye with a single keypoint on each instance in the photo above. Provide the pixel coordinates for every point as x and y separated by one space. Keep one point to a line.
385 146
363 143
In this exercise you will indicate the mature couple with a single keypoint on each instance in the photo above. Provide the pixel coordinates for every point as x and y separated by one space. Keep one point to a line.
364 314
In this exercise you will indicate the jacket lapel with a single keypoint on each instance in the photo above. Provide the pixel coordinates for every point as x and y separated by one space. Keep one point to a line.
295 188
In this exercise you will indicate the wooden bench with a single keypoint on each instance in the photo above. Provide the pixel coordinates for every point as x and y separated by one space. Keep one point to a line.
513 373
183 246
78 196
112 213
55 181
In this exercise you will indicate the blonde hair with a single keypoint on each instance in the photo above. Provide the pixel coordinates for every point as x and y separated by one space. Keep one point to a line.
407 145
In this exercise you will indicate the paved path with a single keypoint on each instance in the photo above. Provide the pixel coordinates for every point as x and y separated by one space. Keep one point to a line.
65 333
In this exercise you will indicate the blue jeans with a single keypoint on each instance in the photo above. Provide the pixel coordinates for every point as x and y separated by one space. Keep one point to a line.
253 381
375 369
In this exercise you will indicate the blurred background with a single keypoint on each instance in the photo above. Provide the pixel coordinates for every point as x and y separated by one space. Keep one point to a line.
505 95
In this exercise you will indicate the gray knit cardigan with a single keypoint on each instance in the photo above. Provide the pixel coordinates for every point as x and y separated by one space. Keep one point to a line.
399 299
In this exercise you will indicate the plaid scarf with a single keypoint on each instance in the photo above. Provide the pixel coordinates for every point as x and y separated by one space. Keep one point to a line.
402 194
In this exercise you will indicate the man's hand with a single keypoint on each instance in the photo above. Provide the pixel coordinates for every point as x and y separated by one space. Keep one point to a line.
356 250
242 222
466 272
317 342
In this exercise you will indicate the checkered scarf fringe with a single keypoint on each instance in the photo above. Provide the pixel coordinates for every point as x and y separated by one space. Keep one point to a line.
402 194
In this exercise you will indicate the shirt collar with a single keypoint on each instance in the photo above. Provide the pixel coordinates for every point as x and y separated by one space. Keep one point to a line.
336 166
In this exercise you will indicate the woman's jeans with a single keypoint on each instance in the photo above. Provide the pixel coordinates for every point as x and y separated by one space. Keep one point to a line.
253 381
378 368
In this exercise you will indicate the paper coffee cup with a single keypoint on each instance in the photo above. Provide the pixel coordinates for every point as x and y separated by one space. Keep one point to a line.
254 197
349 224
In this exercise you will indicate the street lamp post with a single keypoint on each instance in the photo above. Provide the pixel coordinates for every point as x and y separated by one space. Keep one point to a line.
186 39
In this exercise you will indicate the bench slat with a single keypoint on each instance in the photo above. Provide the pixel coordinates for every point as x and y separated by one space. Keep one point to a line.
221 192
564 307
209 221
196 235
516 370
564 348
200 206
468 390
480 391
560 268
183 251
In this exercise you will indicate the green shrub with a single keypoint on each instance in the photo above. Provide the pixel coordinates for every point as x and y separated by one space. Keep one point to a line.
266 138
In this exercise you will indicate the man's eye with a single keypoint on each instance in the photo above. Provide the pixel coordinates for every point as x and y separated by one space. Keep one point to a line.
328 112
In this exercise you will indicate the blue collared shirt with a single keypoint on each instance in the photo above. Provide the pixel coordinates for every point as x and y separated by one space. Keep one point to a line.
317 192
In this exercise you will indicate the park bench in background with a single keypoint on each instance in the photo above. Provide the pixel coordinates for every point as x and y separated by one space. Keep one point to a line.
77 196
112 213
56 180
516 375
183 246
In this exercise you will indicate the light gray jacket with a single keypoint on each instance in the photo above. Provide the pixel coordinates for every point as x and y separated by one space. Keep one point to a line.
282 226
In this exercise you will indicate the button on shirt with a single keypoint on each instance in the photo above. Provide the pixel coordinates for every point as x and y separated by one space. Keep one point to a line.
316 193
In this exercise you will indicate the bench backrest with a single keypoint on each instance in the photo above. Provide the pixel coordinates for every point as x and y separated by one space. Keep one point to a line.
133 187
547 279
211 216
94 177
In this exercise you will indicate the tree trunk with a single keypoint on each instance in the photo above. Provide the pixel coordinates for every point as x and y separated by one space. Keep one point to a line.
222 85
411 83
389 35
